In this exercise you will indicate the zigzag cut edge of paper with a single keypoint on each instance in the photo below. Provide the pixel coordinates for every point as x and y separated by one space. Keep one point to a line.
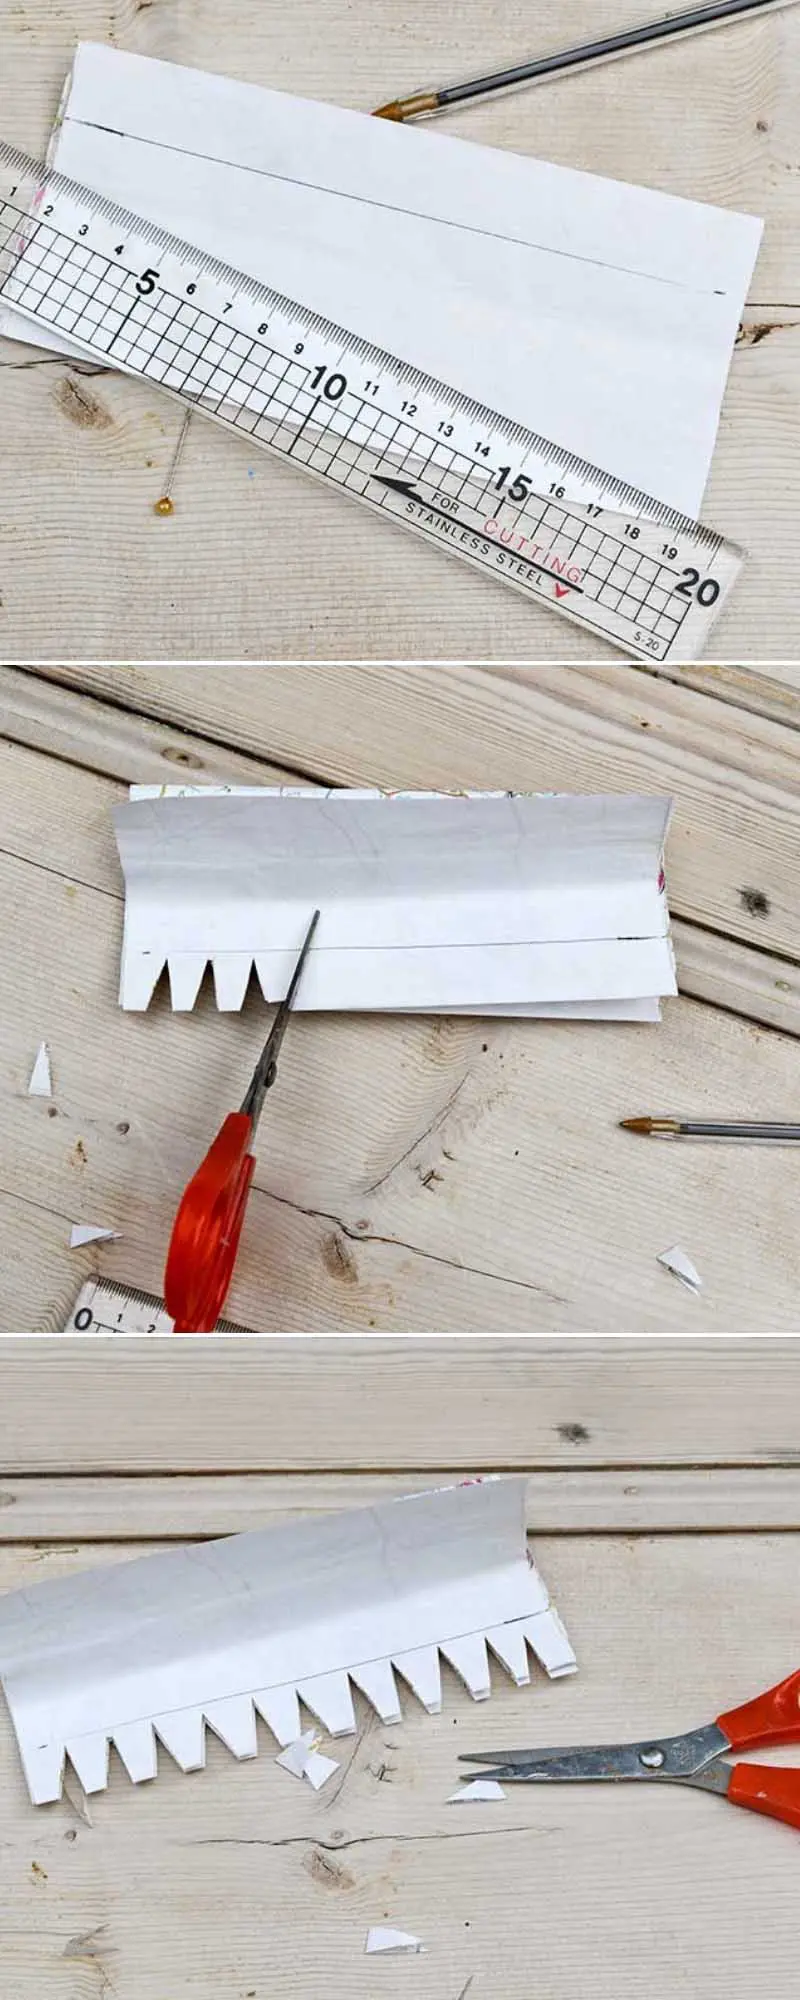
280 1624
183 1732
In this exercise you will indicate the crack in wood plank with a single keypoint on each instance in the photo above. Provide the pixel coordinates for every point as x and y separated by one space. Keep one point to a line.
356 1235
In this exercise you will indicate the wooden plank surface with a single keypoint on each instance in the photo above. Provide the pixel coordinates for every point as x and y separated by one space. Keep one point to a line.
240 1880
715 119
329 1405
188 1507
545 1217
734 773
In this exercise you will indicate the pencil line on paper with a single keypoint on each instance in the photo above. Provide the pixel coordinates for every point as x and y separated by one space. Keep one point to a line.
394 208
467 944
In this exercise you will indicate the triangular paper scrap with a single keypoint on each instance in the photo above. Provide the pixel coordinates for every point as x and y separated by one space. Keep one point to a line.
682 1268
90 1232
41 1083
319 1769
481 1790
387 1940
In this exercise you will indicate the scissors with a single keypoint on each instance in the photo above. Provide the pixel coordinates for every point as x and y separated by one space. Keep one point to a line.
207 1227
694 1759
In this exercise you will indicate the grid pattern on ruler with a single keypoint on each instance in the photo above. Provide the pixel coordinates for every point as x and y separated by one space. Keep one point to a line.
264 393
613 573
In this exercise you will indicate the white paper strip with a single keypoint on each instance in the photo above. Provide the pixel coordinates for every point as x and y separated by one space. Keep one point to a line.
41 1084
601 315
481 902
208 1635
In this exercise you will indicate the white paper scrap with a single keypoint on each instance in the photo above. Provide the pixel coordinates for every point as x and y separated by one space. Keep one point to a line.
481 1790
382 1939
304 1760
682 1268
41 1082
484 903
319 1769
601 315
296 1755
90 1232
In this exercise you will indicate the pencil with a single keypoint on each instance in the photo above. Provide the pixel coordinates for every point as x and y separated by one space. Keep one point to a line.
585 56
686 1128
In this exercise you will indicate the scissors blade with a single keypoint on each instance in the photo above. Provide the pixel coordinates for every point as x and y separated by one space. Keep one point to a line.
264 1073
551 1752
572 1767
670 1757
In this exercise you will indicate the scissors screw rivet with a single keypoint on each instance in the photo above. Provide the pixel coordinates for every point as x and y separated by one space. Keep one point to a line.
651 1759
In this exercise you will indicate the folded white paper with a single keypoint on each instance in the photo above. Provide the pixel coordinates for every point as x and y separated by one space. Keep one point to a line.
599 314
210 1635
482 903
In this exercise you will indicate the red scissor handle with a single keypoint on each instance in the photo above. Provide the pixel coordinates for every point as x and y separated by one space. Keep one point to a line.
765 1789
772 1718
207 1227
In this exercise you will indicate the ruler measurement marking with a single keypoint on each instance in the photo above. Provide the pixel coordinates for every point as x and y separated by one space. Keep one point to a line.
139 1313
306 420
252 288
342 439
121 329
356 441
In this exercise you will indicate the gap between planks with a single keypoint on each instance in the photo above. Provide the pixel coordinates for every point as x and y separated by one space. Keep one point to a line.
720 1500
771 691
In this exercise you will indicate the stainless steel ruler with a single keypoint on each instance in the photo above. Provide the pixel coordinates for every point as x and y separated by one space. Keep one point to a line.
510 503
103 1307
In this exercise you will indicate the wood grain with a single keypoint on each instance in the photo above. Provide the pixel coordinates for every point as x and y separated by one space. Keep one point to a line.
735 774
415 1175
716 119
321 1405
540 1214
772 691
239 1880
183 1507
